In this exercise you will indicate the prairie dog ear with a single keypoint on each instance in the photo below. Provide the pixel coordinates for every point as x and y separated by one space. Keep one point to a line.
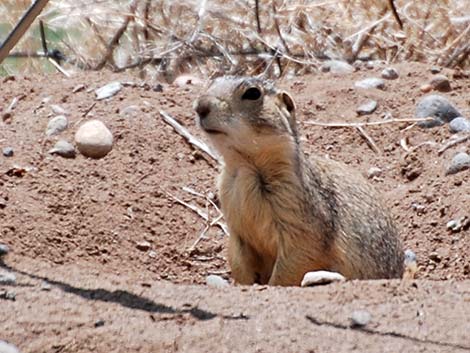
286 106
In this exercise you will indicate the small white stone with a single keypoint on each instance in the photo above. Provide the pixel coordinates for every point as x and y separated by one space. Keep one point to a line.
337 67
93 139
360 318
58 110
374 172
108 90
389 73
372 82
63 148
321 277
56 125
216 281
7 278
130 111
6 347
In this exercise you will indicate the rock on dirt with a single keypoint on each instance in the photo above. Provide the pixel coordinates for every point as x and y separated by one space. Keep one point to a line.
437 107
321 277
216 281
93 139
56 125
360 318
374 172
459 124
8 348
143 245
8 152
64 149
4 249
440 83
371 82
389 73
456 225
337 67
108 90
7 278
367 108
460 162
58 110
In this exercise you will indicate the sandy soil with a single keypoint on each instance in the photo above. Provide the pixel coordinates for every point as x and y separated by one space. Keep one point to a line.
77 225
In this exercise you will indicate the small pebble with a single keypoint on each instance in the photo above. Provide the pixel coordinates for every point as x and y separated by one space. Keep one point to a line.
58 110
64 149
157 88
456 225
93 139
185 80
8 348
337 67
459 124
7 278
372 82
460 162
8 152
440 83
434 256
4 249
360 318
7 295
367 108
389 73
216 281
108 90
143 245
99 323
78 88
56 125
435 69
437 107
153 254
321 277
374 172
45 286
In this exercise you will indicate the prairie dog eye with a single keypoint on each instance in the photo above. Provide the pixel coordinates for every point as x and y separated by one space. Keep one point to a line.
252 94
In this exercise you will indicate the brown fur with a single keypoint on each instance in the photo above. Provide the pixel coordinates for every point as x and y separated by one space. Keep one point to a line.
288 215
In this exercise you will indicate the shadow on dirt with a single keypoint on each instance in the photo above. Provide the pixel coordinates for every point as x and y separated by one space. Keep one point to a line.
126 299
387 334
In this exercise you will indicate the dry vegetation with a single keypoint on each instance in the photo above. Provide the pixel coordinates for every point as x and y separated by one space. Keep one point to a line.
249 36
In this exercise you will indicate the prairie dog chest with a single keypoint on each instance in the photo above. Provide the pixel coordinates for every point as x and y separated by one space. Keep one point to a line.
248 211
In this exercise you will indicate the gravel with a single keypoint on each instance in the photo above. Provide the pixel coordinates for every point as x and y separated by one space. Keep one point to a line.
369 83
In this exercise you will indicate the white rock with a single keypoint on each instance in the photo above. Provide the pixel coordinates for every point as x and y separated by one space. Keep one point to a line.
389 73
93 139
7 278
321 277
459 124
108 90
461 161
8 348
63 148
58 110
56 125
374 172
360 318
216 281
372 82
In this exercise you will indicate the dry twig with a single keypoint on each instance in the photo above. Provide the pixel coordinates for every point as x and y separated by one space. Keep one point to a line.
371 123
186 134
370 142
453 143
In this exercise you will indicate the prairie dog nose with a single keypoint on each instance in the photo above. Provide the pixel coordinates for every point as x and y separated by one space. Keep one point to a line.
203 107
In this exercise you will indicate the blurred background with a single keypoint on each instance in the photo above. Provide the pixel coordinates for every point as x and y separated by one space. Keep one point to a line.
168 38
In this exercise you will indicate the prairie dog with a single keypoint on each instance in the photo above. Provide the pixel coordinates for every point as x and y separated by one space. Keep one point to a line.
288 215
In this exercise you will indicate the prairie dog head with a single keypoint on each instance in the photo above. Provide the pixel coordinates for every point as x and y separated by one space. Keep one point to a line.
246 115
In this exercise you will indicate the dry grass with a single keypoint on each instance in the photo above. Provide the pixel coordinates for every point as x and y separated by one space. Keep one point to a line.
170 37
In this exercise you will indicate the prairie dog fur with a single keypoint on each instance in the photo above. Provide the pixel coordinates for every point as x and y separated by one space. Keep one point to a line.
288 215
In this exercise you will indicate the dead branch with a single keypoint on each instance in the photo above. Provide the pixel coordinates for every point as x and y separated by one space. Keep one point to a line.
189 138
453 143
371 123
370 142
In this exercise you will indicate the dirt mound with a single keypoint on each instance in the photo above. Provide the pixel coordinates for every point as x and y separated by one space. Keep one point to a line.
119 218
